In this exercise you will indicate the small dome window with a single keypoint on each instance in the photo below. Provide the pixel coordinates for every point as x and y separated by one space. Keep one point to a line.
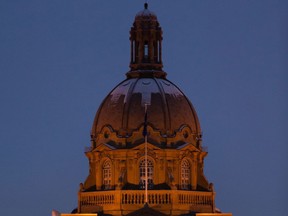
185 134
106 134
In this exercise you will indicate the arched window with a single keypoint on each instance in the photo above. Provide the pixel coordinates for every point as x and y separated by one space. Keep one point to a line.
146 50
107 176
150 170
185 174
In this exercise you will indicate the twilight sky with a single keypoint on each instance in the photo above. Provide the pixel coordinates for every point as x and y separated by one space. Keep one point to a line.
60 58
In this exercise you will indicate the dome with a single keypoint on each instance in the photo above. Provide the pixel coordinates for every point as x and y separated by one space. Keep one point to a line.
171 116
168 111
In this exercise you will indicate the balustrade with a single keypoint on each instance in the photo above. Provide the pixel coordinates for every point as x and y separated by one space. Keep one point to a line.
196 198
96 198
138 197
130 197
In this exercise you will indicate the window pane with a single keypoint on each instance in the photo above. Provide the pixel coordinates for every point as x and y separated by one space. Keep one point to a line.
107 176
149 173
185 174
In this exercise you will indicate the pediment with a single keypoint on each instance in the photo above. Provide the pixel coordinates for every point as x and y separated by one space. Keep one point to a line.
149 146
188 146
104 147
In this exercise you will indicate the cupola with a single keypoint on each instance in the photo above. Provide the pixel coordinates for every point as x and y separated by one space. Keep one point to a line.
146 45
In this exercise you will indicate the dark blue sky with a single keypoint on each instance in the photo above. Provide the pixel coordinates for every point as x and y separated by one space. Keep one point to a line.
59 59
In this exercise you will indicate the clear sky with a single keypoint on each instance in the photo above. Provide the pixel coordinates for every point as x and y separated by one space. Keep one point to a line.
59 59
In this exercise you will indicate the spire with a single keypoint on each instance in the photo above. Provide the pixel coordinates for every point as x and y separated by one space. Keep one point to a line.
146 44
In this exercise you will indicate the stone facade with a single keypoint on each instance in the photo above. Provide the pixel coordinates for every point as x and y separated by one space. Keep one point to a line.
167 192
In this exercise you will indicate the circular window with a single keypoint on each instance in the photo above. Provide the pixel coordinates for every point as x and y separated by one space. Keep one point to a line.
185 134
106 135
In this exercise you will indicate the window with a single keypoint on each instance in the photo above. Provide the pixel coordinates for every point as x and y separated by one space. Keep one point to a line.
107 176
146 50
185 174
150 170
158 51
133 51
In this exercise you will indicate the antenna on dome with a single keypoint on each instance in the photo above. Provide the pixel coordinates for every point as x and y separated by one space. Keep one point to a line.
145 134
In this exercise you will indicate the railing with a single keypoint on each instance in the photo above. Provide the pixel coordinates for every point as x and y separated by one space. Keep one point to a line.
196 198
118 199
138 197
97 198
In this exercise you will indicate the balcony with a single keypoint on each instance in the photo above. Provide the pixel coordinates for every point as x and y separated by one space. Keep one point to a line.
126 201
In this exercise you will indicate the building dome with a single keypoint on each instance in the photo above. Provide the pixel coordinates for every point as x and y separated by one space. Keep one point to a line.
170 113
124 108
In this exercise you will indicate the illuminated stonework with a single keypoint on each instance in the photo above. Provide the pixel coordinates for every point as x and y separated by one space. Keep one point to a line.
116 181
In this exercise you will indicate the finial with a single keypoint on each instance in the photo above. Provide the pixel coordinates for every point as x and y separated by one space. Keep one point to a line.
146 5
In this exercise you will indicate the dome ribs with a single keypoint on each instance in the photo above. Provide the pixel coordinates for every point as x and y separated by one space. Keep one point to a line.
195 117
126 109
168 111
165 108
96 128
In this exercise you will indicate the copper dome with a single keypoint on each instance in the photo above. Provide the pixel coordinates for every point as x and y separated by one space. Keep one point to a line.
168 110
170 113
